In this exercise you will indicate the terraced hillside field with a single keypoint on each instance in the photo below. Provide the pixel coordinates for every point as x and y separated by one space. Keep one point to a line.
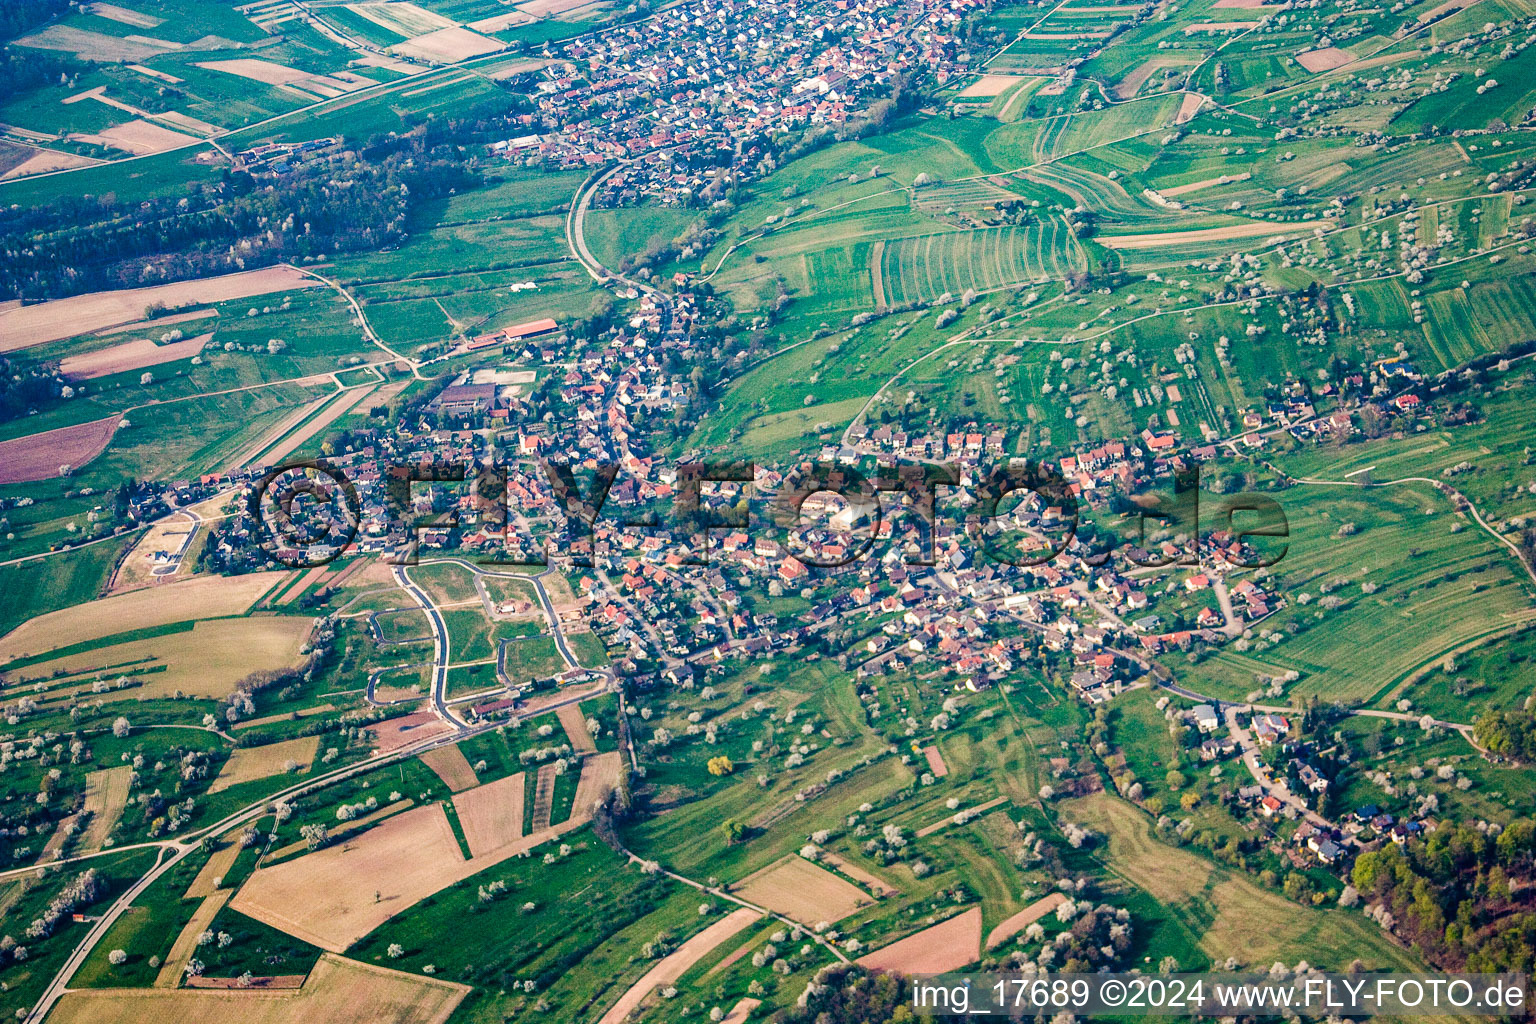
923 268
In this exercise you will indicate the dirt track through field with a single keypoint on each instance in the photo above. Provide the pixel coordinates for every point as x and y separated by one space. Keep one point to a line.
216 867
575 725
676 963
544 797
1024 918
106 794
186 943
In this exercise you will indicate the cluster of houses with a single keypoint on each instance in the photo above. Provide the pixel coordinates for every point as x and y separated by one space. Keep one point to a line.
707 82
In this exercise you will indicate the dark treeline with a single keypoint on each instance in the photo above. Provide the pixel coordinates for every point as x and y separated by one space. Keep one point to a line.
22 69
22 390
85 243
20 16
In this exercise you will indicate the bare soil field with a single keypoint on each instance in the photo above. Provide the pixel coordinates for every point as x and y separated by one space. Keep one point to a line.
947 946
1152 241
327 898
251 723
175 964
130 355
450 765
544 797
213 870
138 137
403 19
24 326
207 661
1326 59
802 891
1131 84
1190 106
106 794
448 45
675 964
336 895
878 886
575 725
936 763
341 404
152 73
199 597
295 591
247 764
95 46
158 322
141 566
337 991
249 455
1024 918
991 85
501 22
492 814
393 733
43 160
124 15
39 456
1196 186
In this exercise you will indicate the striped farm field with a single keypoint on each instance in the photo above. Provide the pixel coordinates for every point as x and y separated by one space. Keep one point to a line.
925 267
